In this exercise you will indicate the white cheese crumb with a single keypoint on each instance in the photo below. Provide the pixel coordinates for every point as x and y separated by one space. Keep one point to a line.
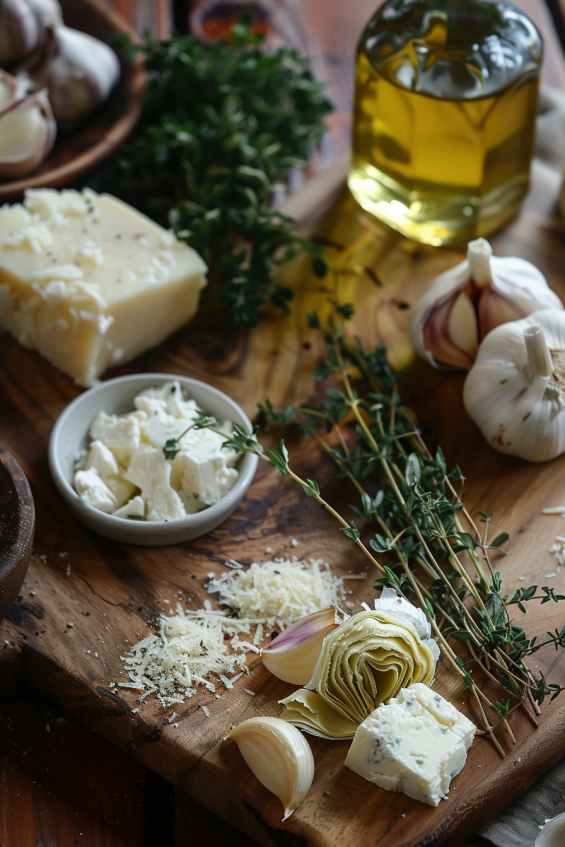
206 711
251 693
280 590
191 647
146 485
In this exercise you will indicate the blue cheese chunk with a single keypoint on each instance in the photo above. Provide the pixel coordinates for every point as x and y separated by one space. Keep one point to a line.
415 744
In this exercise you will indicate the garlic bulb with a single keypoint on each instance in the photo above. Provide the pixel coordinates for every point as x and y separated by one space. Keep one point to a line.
515 391
465 303
363 663
279 756
27 127
293 655
79 72
22 24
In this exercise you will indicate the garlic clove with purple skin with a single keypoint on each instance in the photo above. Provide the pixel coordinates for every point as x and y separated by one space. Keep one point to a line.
517 289
22 24
27 128
465 303
293 655
78 71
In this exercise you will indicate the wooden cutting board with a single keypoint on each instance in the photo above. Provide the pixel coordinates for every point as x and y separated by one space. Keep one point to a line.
113 594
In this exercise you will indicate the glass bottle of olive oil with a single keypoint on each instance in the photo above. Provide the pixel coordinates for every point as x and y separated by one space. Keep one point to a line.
444 116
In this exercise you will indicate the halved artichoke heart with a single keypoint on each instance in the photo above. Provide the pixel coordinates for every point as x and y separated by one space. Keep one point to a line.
363 663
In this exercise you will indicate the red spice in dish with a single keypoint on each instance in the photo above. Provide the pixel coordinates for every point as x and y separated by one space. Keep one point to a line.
218 28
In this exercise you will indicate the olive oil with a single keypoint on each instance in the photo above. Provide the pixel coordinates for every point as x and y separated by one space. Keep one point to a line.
444 116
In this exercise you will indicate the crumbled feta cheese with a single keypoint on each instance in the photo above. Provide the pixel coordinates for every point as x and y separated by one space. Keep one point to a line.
126 454
135 508
94 491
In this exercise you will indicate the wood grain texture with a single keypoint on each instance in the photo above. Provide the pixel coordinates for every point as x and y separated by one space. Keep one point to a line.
60 784
99 134
17 522
113 594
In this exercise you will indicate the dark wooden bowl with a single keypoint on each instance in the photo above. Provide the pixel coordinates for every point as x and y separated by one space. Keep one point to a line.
17 523
99 135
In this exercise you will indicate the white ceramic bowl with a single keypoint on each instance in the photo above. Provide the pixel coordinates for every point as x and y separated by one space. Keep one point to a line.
553 833
116 396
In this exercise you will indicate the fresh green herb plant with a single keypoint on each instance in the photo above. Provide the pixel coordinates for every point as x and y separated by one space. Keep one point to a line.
420 523
222 126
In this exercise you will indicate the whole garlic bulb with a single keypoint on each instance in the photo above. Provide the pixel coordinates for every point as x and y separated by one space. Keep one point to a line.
27 127
22 23
515 390
79 72
465 303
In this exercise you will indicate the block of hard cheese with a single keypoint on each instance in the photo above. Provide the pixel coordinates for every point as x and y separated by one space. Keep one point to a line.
90 282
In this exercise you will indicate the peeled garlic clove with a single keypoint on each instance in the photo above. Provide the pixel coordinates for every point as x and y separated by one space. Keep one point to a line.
292 656
22 24
464 304
515 391
27 128
79 72
279 756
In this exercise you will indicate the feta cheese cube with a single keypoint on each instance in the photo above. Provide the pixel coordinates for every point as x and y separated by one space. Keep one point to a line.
204 478
121 434
150 471
415 744
101 459
88 281
167 398
135 508
94 491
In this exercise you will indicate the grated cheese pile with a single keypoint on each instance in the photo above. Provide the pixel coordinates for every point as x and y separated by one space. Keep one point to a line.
200 647
190 646
280 591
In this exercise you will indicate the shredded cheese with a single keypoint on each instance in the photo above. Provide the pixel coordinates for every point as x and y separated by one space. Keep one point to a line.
191 646
281 590
200 648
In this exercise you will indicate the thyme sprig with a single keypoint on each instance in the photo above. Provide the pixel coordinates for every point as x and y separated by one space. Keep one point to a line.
222 126
418 520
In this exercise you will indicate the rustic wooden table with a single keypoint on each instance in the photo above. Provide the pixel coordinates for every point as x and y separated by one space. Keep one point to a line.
54 787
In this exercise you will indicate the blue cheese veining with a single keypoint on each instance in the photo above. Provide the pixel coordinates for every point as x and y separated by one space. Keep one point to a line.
415 744
125 473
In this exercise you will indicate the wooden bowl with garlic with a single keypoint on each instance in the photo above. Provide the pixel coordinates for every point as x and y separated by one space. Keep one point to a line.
90 121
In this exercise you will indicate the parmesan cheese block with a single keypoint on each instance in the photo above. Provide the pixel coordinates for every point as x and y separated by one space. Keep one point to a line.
89 282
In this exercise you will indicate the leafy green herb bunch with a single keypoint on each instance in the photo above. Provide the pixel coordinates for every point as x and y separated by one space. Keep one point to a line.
222 125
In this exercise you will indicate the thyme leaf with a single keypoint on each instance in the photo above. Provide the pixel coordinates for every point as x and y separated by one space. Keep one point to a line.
222 125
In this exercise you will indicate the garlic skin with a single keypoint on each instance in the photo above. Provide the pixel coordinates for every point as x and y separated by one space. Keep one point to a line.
78 71
515 391
22 24
27 127
279 756
293 655
465 303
